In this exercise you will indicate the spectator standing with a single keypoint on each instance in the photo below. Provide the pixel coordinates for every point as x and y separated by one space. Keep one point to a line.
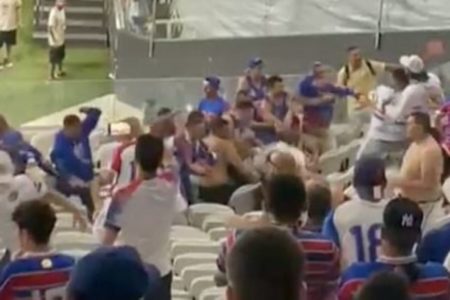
388 135
193 156
10 21
112 273
228 171
212 105
254 83
318 95
265 264
273 111
143 212
422 168
360 74
385 285
36 269
57 39
72 157
286 203
402 220
355 225
415 66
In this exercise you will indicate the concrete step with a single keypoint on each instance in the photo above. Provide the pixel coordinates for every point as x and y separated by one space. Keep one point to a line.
77 13
78 23
75 27
96 40
76 3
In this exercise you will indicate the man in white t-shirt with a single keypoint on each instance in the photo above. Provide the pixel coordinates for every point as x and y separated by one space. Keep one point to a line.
386 136
9 22
57 39
143 212
415 66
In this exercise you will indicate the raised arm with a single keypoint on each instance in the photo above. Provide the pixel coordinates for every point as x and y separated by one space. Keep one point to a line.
90 122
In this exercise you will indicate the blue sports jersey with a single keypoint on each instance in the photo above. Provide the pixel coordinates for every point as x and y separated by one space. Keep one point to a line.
435 245
213 107
45 275
432 282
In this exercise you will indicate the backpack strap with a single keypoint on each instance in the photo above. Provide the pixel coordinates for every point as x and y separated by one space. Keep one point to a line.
371 69
346 74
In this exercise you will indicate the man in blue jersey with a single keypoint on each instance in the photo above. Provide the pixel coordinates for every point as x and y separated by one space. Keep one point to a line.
36 271
112 273
265 264
386 286
401 230
435 245
212 105
286 206
318 95
72 156
356 224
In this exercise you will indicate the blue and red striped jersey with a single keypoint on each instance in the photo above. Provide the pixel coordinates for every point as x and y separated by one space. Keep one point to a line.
42 275
432 283
322 262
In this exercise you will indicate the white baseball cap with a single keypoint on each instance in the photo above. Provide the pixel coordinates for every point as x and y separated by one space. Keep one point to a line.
412 63
119 128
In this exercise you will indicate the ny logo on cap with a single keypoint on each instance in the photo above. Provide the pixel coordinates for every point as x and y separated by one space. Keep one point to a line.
407 220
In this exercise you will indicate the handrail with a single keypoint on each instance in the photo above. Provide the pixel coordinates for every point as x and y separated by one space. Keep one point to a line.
37 13
152 35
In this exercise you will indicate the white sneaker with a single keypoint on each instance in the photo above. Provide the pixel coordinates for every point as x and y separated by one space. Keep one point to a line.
8 65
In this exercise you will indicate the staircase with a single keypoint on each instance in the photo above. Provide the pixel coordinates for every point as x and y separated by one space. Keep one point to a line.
85 22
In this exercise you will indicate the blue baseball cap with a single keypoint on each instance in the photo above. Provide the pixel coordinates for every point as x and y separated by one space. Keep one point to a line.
213 82
110 273
256 62
369 172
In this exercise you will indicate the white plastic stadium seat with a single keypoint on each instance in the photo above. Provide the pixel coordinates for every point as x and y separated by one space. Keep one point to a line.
104 155
95 139
74 240
331 161
177 283
213 221
183 233
76 253
351 150
217 234
181 295
190 259
342 180
183 247
242 200
213 293
43 141
192 272
201 284
198 212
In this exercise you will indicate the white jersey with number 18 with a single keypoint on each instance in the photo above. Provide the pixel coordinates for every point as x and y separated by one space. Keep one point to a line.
355 226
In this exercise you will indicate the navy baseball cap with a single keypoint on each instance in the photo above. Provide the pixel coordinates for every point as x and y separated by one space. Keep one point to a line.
369 172
256 62
213 82
109 273
404 214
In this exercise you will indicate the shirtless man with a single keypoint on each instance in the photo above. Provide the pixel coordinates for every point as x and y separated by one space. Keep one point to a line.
422 166
228 167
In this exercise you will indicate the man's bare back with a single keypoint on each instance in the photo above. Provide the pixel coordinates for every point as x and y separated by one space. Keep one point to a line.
422 162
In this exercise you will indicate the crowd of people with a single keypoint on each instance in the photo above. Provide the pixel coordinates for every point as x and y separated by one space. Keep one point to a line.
384 236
